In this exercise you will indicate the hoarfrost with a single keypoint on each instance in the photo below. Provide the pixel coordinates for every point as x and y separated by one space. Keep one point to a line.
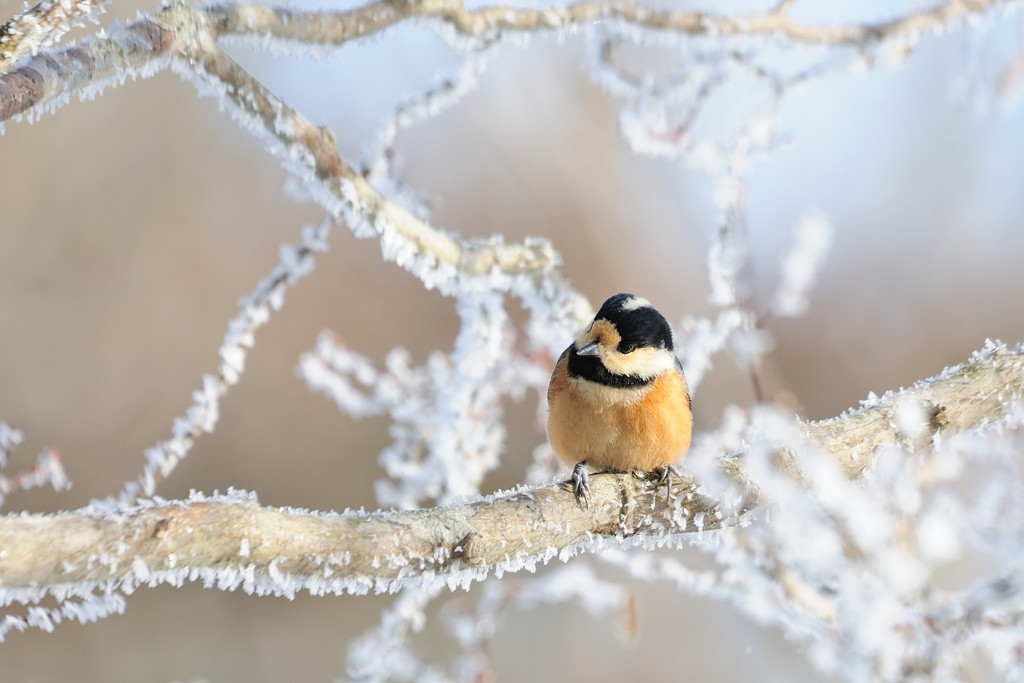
201 417
47 470
447 414
846 566
814 235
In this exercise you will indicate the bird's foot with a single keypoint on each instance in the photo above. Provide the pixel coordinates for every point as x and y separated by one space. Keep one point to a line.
665 474
581 484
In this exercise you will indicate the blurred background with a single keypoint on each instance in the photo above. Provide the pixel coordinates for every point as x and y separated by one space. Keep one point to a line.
130 226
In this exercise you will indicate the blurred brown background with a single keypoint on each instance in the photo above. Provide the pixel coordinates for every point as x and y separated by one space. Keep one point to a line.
131 225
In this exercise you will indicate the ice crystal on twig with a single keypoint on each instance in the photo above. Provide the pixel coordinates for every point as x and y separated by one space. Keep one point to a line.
385 654
448 89
447 415
42 25
47 470
802 264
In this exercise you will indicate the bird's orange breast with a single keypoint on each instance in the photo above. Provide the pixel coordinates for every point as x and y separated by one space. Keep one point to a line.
622 429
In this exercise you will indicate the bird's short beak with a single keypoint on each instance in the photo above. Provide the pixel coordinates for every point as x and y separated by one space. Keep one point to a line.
588 350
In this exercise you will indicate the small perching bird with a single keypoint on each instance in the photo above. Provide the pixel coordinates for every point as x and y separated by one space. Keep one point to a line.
617 398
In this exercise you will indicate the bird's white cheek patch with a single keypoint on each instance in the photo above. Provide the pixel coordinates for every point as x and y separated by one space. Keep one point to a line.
643 362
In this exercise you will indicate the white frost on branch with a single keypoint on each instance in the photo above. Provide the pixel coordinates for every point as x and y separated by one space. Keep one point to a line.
800 269
447 415
699 339
82 608
384 654
447 89
847 566
296 261
857 570
10 439
43 25
47 470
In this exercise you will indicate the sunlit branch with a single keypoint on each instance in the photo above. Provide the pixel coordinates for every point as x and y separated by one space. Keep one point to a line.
316 148
355 552
132 47
340 27
976 393
368 549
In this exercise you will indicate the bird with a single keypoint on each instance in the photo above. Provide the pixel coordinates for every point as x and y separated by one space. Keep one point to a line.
617 399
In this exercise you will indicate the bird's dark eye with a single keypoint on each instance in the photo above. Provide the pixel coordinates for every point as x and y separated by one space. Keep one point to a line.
627 348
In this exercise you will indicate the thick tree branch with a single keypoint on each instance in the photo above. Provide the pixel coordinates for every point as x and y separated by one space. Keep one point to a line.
273 550
974 394
51 75
366 549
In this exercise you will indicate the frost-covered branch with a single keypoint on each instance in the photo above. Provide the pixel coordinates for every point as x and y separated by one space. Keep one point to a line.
47 470
340 27
979 392
437 258
837 530
128 50
51 77
279 551
231 541
40 26
296 261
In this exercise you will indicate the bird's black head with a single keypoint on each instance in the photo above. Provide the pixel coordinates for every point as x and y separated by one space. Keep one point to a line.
638 323
628 344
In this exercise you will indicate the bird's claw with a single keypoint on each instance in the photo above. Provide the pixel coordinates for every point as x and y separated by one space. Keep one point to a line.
665 474
581 484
